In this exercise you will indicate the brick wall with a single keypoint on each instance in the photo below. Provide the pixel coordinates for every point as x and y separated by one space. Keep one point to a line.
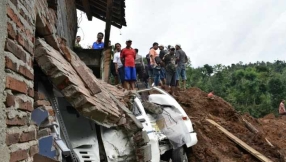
21 133
23 18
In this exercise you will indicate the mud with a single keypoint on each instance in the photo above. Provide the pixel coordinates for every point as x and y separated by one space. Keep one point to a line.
214 146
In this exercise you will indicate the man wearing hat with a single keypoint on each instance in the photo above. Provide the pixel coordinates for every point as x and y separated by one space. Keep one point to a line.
128 57
181 68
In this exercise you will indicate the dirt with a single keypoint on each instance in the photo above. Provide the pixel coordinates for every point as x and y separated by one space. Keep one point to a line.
215 146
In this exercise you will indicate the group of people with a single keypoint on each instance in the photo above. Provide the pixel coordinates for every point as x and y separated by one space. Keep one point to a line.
164 68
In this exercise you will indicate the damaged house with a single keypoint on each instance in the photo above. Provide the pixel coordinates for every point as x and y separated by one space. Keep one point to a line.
50 95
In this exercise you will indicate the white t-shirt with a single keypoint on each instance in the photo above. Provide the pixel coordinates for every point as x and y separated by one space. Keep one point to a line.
117 60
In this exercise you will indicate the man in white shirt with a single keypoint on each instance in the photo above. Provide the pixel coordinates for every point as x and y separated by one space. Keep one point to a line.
118 64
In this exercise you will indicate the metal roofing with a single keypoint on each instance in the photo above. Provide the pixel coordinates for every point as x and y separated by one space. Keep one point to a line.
98 9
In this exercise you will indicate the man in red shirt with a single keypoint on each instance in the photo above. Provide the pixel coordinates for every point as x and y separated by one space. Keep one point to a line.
128 57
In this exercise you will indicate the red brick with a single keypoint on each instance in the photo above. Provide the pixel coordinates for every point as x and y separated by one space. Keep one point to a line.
39 96
26 106
34 150
39 103
29 46
10 100
18 155
17 121
10 64
21 40
17 50
11 31
11 14
31 92
26 72
16 85
12 138
50 110
28 136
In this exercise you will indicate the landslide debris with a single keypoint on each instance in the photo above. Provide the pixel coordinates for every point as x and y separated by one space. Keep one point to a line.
214 146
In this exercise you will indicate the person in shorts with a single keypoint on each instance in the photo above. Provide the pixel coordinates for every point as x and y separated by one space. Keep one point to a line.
170 66
118 66
127 57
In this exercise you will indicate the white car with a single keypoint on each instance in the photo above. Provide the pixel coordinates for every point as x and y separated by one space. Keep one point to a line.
171 131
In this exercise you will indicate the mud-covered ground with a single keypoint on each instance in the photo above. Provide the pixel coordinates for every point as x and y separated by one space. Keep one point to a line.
214 146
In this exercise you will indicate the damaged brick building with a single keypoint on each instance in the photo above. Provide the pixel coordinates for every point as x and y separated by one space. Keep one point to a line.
37 58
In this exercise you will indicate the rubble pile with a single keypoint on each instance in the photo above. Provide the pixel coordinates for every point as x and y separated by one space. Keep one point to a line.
266 135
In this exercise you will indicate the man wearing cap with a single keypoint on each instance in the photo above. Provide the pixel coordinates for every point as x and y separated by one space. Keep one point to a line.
163 71
181 68
156 68
170 66
128 57
99 44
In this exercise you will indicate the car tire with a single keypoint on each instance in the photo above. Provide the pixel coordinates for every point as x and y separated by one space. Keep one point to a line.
179 155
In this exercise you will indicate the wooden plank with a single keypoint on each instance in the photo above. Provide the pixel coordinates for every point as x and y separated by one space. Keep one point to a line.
255 153
86 7
108 22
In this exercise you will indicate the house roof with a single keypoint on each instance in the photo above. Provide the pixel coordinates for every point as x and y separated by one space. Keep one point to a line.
98 8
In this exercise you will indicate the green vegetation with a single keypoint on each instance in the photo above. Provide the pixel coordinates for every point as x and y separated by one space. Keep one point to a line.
254 88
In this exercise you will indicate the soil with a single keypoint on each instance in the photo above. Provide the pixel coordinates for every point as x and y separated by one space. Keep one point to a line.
213 145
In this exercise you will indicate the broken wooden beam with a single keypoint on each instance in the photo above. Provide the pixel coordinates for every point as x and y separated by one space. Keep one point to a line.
86 6
249 149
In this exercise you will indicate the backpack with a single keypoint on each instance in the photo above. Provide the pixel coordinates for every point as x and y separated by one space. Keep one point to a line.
171 67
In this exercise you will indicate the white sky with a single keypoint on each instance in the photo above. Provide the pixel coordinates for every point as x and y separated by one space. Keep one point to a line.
210 31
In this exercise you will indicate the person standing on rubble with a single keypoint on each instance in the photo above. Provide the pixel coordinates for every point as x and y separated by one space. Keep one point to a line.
112 66
128 57
150 70
77 45
282 110
119 68
154 64
139 64
99 44
181 68
170 66
163 70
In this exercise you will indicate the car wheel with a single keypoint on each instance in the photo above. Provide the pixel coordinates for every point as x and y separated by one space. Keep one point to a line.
179 155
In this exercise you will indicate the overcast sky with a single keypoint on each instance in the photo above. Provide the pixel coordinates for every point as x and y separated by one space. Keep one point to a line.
210 31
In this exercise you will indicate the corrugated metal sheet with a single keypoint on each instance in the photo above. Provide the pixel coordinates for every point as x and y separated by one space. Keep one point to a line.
98 9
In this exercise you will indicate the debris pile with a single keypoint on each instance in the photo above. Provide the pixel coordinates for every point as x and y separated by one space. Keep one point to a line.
265 135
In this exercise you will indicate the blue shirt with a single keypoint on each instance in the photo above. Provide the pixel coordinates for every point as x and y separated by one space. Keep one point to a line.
98 45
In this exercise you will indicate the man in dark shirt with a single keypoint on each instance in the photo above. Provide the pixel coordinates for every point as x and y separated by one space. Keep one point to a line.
170 66
181 68
163 70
